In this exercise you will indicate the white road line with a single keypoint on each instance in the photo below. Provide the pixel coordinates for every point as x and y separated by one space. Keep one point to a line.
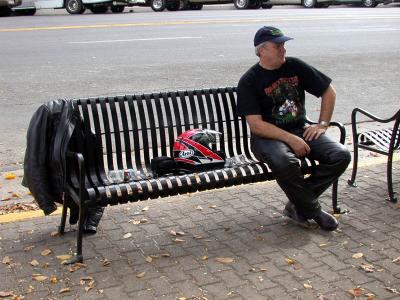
136 40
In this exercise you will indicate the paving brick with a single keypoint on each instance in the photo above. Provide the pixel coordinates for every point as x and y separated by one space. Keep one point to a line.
247 225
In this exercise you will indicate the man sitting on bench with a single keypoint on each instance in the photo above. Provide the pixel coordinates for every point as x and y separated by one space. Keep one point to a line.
271 95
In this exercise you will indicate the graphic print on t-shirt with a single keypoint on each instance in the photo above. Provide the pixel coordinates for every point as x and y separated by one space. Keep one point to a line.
288 107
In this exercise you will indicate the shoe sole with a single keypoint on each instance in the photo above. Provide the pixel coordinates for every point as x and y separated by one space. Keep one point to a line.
305 224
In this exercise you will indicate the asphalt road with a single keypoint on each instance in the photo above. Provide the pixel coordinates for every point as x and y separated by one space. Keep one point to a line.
55 55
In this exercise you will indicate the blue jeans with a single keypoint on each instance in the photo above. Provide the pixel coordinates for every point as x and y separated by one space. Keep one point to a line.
333 160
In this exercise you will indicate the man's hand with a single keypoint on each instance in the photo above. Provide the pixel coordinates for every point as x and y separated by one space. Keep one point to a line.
299 146
313 132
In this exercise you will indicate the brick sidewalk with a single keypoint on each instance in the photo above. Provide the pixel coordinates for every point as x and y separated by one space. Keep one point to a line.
264 256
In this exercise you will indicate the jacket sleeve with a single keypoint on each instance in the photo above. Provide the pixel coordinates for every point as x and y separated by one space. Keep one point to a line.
36 176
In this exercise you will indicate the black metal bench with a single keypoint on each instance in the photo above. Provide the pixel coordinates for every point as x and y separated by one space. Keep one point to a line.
383 141
126 132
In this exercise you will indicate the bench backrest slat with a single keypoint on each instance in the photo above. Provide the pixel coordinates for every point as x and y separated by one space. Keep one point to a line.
128 131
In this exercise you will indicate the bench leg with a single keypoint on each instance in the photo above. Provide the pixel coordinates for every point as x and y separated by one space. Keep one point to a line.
78 256
352 180
392 198
61 228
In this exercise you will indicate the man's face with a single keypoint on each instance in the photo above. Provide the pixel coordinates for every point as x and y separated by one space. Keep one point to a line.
273 53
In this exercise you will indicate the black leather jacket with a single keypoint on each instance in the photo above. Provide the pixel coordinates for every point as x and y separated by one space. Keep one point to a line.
49 132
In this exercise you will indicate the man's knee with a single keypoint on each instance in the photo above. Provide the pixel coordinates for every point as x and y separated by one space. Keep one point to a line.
343 157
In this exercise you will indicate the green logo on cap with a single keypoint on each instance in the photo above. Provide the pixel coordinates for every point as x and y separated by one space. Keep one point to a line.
276 31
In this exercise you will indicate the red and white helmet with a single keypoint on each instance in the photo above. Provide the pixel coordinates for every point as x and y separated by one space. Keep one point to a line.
192 150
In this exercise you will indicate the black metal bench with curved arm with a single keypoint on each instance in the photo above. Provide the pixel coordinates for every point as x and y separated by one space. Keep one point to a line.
126 132
383 141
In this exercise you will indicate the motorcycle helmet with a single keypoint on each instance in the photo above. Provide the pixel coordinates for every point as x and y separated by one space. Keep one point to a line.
193 150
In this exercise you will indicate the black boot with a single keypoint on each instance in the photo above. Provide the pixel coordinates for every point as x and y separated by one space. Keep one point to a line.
291 212
93 216
326 221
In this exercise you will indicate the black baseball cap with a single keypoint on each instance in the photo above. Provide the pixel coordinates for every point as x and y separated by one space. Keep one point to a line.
270 34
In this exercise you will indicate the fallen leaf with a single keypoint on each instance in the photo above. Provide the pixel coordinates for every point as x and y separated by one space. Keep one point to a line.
16 195
370 296
144 220
4 294
7 260
165 254
10 176
29 248
179 240
396 260
182 298
199 208
357 255
45 252
105 262
127 235
54 233
212 206
86 278
153 256
134 222
307 286
39 277
140 275
64 290
64 257
323 245
34 263
146 208
205 257
263 269
290 261
356 292
197 237
394 291
149 259
224 260
53 279
367 268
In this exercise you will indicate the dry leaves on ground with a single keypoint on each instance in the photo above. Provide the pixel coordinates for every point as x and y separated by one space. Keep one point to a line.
367 268
307 286
39 277
127 235
175 233
7 260
224 260
358 255
10 176
64 290
394 291
396 260
46 252
17 207
290 261
140 275
105 262
34 263
75 267
4 294
356 292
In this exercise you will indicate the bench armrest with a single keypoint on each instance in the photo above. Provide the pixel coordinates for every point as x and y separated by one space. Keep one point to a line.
77 176
370 115
339 125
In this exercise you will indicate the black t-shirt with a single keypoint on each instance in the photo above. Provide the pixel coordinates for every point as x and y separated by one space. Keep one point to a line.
278 95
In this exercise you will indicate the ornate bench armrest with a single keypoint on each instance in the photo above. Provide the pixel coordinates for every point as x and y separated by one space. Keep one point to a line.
333 124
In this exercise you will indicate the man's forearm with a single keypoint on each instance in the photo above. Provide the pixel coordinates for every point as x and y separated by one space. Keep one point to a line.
327 104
